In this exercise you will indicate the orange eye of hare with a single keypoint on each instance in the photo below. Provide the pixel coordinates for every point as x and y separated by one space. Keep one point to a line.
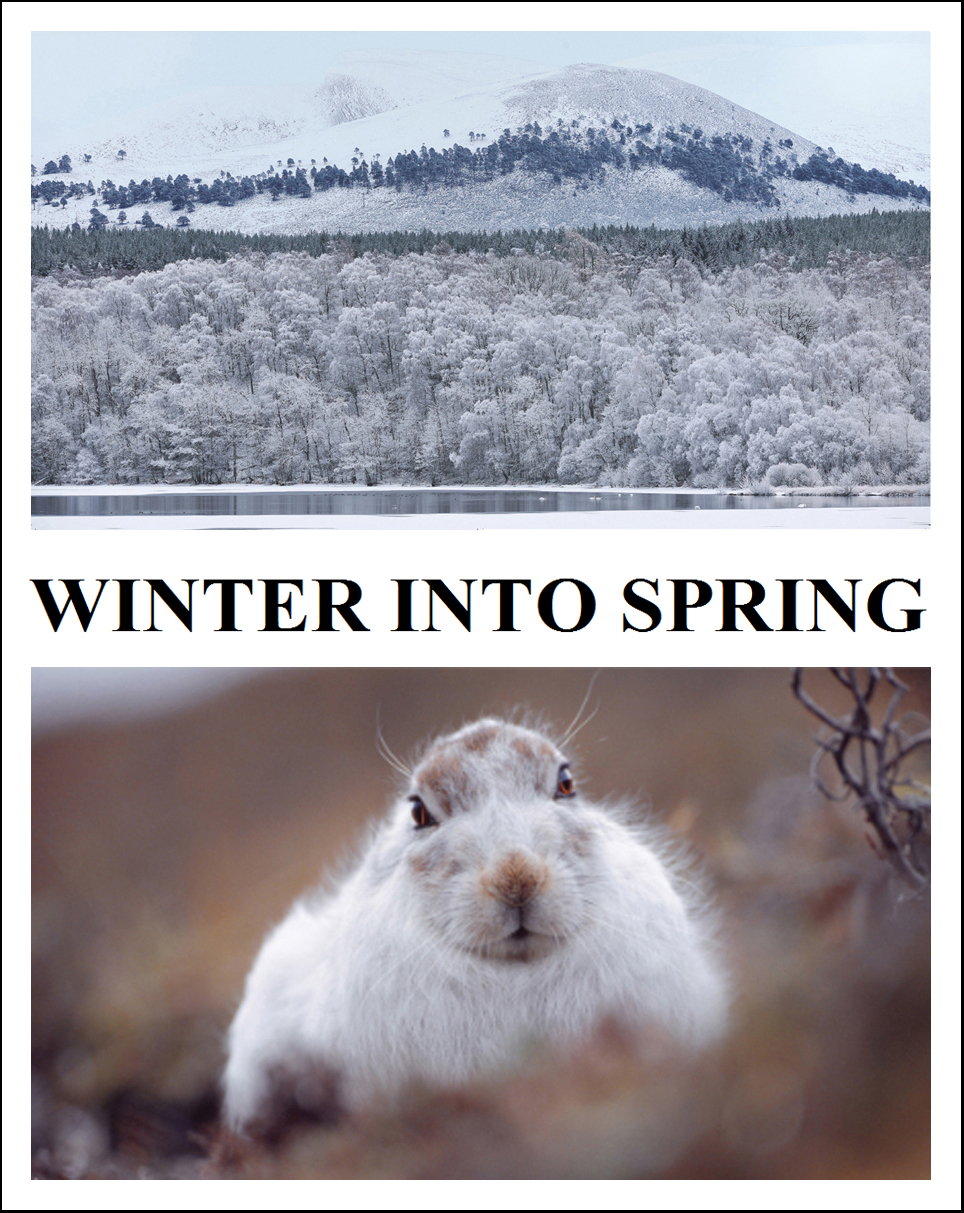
565 785
420 814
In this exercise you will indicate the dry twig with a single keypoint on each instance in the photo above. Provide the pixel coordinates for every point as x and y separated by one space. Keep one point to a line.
869 760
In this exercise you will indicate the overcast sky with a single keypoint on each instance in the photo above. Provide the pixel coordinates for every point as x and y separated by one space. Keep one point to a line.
106 74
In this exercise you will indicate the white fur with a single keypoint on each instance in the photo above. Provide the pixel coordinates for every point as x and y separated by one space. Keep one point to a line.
410 968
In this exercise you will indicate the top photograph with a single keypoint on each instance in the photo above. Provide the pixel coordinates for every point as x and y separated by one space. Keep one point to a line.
473 280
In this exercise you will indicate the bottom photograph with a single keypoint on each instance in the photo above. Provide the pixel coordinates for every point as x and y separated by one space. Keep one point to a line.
436 923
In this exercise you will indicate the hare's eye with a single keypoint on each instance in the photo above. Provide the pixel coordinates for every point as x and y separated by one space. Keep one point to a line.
420 814
564 784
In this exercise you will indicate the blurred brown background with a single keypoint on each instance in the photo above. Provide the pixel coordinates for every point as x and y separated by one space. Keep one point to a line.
166 845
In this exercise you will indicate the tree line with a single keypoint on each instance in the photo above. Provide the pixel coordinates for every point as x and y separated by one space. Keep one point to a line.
731 165
806 243
470 368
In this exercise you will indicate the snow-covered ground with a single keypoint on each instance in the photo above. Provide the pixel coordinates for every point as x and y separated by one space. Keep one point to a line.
868 107
654 196
897 517
248 131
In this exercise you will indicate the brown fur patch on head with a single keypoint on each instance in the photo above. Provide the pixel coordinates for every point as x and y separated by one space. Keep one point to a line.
480 738
434 868
443 775
533 748
516 880
534 751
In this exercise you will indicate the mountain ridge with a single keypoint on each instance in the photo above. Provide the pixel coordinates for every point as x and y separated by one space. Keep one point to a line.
206 137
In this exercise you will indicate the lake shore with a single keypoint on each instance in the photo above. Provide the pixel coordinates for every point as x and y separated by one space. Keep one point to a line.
106 490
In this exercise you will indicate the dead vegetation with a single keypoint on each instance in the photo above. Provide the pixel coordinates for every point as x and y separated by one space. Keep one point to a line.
164 850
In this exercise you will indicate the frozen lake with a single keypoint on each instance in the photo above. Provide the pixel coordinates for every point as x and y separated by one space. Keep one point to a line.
131 504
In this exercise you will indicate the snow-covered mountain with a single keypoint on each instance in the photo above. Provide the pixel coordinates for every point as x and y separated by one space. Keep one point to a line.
868 107
236 127
384 105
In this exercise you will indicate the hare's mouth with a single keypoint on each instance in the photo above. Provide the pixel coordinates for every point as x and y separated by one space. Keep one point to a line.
521 946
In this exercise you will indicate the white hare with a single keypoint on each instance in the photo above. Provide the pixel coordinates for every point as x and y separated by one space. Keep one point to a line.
492 908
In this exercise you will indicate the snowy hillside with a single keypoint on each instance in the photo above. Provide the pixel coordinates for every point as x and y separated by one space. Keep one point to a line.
236 128
411 77
386 105
868 107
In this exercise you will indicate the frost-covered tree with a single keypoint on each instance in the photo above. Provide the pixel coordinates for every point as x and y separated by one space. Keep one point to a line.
441 367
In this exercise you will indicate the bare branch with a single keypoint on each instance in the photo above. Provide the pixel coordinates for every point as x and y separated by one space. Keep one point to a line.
869 761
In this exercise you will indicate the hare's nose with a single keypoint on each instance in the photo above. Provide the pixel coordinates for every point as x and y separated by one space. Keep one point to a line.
515 880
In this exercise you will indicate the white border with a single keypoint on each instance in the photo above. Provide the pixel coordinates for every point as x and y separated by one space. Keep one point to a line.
935 555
